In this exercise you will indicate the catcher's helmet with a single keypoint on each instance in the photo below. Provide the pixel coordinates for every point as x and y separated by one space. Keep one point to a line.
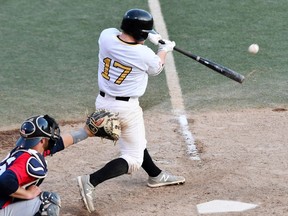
35 128
137 23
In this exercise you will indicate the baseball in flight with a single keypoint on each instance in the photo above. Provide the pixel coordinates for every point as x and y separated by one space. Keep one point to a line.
253 48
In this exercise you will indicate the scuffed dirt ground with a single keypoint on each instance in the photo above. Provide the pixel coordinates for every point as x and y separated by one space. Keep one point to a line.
243 158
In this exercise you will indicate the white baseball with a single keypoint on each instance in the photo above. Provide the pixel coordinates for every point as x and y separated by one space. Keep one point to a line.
253 48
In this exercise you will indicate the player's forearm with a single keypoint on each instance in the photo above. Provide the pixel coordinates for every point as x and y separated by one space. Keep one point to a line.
30 193
75 136
162 55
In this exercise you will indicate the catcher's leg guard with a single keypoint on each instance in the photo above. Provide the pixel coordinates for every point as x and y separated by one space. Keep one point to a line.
51 204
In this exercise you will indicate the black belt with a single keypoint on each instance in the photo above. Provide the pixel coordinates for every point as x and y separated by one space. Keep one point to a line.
116 98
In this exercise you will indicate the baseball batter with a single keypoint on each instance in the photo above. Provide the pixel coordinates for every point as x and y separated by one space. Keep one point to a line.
124 66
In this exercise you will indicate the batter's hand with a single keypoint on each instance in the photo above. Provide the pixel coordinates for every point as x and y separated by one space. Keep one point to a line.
154 38
167 46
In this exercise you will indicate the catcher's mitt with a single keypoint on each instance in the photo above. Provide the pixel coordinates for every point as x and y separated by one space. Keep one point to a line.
105 124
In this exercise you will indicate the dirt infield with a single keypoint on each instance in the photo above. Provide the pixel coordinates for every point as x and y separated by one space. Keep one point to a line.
243 158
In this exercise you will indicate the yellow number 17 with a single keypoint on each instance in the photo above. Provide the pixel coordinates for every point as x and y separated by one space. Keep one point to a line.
123 75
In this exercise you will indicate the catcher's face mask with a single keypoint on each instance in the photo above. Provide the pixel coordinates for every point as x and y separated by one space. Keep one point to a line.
35 128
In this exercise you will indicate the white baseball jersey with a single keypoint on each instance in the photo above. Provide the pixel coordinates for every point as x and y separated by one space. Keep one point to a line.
123 72
124 67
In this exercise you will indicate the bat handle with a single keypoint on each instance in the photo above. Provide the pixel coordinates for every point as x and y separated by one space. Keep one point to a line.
175 48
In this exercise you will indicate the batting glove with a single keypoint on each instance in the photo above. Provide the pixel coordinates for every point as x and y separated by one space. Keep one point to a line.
154 38
167 46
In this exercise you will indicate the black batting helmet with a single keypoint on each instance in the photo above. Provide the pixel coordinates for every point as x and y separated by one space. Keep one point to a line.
35 128
137 23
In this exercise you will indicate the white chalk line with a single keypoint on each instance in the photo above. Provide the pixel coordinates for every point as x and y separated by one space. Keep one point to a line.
215 206
173 83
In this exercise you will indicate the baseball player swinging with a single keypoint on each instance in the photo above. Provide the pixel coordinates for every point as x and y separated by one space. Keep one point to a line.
124 66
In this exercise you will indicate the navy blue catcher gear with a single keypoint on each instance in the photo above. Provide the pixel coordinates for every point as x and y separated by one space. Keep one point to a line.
50 204
35 128
137 23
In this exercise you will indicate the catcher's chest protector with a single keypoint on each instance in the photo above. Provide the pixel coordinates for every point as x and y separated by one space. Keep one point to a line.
36 165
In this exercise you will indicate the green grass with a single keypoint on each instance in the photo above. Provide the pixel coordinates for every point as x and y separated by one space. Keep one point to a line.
49 54
222 31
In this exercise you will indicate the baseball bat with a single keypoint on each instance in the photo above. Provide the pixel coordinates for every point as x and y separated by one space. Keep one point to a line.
212 65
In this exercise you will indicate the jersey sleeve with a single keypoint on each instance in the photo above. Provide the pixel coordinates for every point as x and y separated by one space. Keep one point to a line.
56 148
154 62
156 68
8 182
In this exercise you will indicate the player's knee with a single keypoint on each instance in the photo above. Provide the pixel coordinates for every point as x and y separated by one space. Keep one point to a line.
133 163
50 204
133 167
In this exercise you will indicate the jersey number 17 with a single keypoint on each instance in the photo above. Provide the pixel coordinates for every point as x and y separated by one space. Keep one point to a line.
107 65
